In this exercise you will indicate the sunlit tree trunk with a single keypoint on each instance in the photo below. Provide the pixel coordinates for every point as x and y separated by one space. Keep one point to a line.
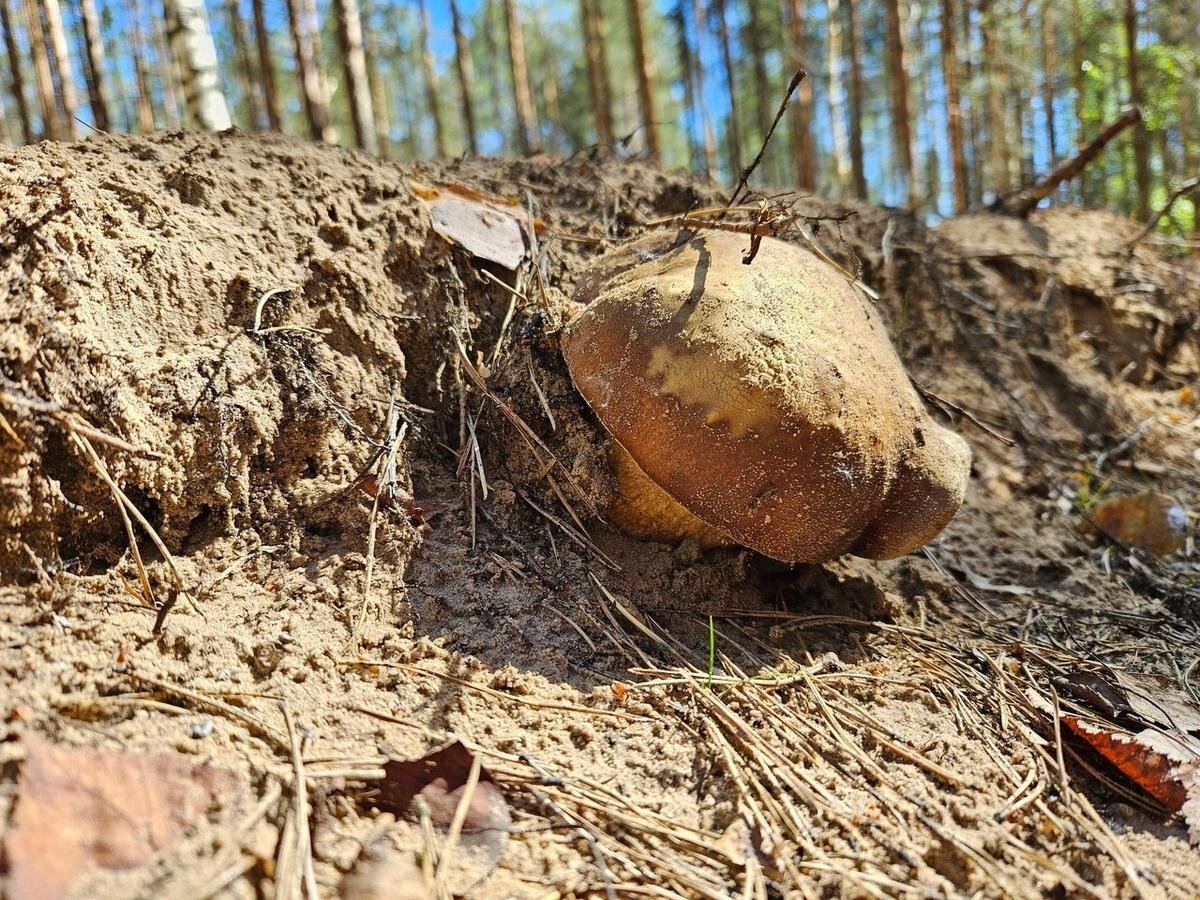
733 137
764 100
432 94
196 56
997 127
701 79
247 73
168 76
141 71
803 150
305 26
379 96
597 72
68 103
354 65
43 80
492 13
954 113
93 44
858 179
644 71
1049 68
527 126
266 68
466 77
1141 139
686 67
898 90
15 72
837 94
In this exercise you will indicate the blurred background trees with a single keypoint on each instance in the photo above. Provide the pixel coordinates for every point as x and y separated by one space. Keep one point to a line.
938 105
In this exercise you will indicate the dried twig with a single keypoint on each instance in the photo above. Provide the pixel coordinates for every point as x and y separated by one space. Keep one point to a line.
1184 189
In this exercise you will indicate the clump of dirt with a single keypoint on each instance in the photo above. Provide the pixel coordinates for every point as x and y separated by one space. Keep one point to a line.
232 329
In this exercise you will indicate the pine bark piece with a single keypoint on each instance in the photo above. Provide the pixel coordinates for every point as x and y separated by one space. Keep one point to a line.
354 65
192 46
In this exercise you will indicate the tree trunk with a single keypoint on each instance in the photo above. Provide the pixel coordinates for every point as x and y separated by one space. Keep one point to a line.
858 176
251 89
527 125
686 66
466 77
94 57
763 94
710 143
302 17
803 150
354 65
901 111
168 76
837 94
196 56
41 70
1141 140
597 72
432 98
67 100
141 72
644 70
494 59
954 114
18 76
379 97
997 130
1049 65
266 68
733 136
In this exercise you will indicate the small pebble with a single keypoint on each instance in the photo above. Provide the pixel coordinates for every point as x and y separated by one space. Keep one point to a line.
202 729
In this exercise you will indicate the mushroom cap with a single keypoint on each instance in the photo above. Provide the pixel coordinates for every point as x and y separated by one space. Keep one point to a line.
765 399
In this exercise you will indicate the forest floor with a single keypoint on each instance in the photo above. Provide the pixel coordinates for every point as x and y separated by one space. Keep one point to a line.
232 328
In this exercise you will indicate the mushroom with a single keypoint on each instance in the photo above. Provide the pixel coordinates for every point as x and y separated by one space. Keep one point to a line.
758 405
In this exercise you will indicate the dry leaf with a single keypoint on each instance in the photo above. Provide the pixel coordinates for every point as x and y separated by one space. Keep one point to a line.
78 811
1149 521
486 227
439 778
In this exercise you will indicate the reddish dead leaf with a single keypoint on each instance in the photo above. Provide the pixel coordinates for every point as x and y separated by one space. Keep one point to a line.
79 811
620 691
439 779
1149 521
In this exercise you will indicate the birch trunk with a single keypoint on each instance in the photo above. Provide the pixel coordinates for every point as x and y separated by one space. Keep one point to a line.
196 56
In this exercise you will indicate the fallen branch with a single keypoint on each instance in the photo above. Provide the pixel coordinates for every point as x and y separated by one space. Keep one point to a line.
1023 202
1186 188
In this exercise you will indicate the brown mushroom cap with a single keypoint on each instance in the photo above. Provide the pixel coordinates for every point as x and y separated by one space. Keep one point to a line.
765 400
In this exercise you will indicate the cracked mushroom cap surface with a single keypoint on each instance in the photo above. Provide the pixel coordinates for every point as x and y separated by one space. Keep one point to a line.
766 400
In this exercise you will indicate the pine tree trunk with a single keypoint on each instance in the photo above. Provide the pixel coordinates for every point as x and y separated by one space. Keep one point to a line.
354 65
196 56
305 26
764 100
432 94
733 137
17 75
94 58
466 78
141 72
266 68
1141 139
644 70
597 73
954 113
997 128
251 89
168 76
710 142
901 111
379 97
1078 50
858 178
837 94
527 126
686 67
491 15
43 80
67 101
803 151
1049 66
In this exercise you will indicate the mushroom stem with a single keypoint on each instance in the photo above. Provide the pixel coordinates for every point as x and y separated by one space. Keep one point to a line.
645 510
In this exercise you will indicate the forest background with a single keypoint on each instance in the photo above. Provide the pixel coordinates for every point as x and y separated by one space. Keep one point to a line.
938 105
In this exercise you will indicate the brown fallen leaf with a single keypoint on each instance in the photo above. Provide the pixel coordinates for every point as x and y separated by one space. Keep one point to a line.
1148 521
79 811
440 779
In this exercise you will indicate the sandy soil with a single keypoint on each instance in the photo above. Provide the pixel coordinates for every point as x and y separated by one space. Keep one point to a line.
862 729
